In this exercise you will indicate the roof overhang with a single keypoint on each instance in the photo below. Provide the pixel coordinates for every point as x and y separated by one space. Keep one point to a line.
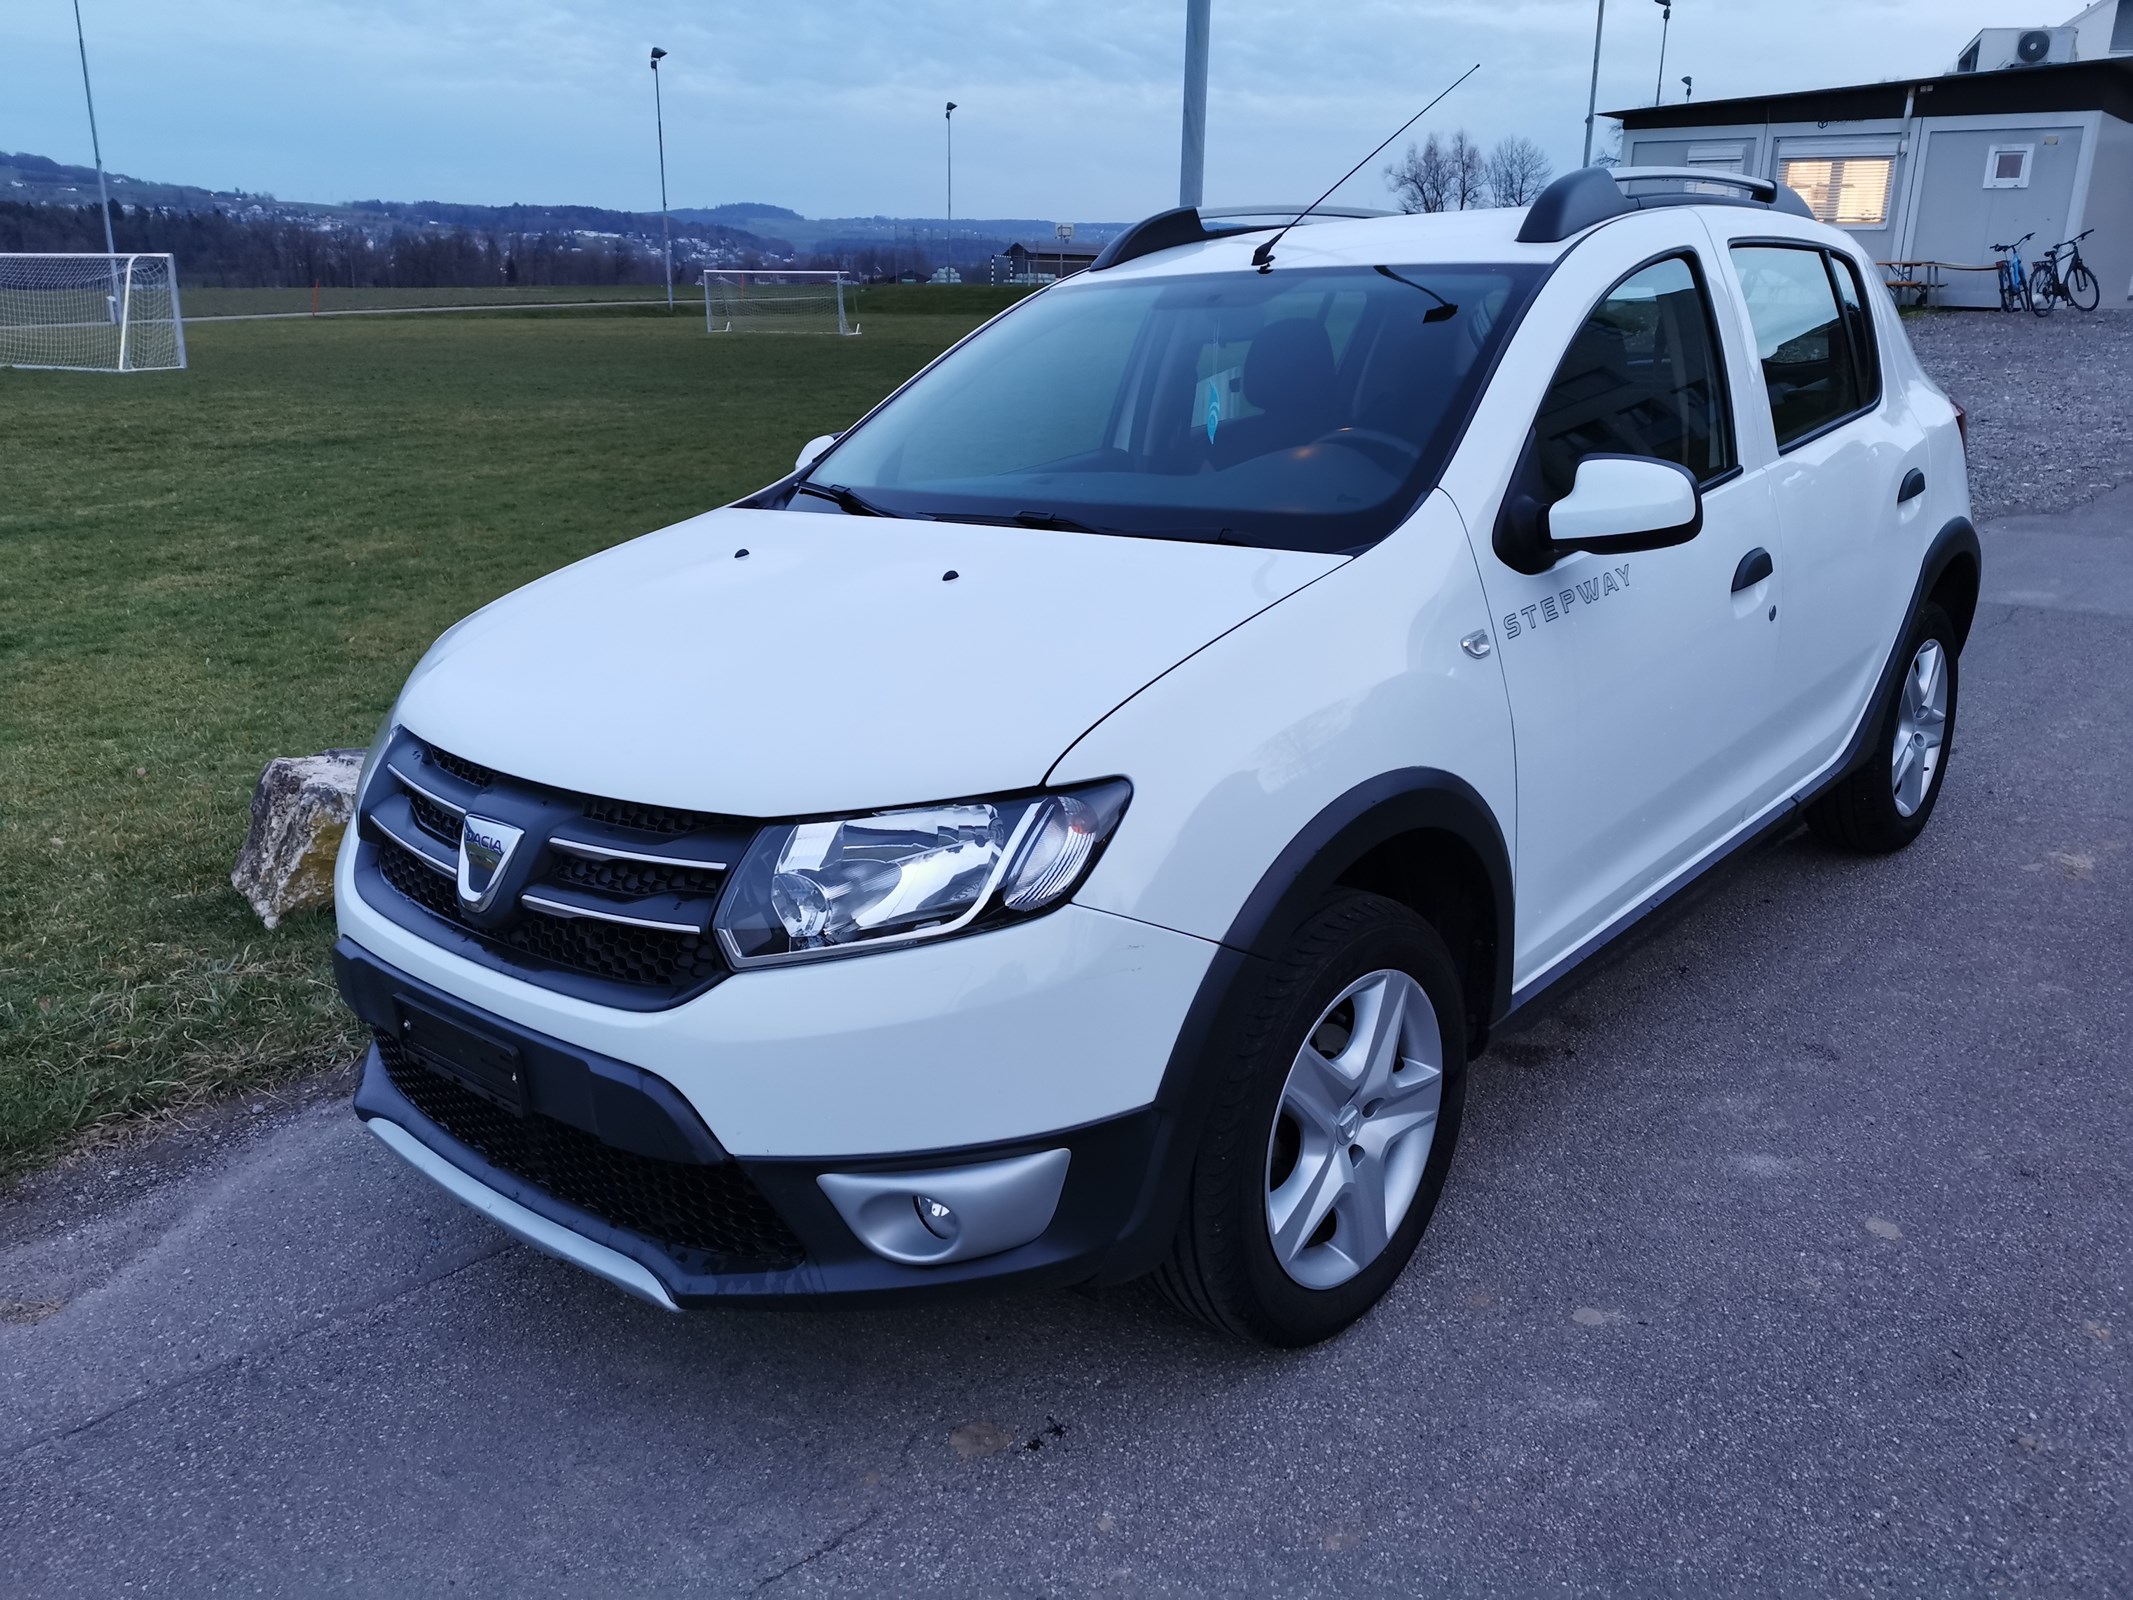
2105 85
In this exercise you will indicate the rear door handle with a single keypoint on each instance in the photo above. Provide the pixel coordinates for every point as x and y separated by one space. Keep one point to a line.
1914 485
1754 567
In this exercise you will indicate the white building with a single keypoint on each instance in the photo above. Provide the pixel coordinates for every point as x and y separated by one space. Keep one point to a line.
2030 131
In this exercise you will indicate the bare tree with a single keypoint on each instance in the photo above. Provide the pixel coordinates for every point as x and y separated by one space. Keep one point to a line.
1422 179
1517 171
1469 183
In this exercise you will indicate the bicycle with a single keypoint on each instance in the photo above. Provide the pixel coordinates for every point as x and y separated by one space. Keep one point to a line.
2076 285
2014 285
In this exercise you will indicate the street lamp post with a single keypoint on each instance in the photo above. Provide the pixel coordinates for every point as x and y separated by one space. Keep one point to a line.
948 117
1192 151
1592 98
1666 21
1688 87
659 122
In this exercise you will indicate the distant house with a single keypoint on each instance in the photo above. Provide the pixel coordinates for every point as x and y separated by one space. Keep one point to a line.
2032 131
1024 263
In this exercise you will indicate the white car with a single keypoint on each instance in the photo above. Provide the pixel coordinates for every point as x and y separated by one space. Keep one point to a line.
1085 820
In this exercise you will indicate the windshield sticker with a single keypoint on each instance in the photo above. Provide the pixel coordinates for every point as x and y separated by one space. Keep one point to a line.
1217 399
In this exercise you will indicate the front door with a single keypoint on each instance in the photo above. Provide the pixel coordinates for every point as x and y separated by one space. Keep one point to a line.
1641 684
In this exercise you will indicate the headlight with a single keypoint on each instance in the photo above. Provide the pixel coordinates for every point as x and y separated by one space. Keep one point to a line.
811 889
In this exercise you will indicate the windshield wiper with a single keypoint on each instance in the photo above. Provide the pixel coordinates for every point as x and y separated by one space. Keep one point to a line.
1052 519
1023 519
849 501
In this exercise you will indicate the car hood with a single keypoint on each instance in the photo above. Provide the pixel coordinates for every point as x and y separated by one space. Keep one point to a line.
771 663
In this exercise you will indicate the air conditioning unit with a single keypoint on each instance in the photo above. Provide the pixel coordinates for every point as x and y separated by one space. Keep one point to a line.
1999 49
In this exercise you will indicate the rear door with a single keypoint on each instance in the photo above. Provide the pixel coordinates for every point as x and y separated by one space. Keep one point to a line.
1641 684
1845 444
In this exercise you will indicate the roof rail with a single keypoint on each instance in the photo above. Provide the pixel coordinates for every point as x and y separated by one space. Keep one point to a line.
1166 230
1591 195
1286 212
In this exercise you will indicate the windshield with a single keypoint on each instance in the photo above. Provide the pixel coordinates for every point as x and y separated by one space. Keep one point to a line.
1302 410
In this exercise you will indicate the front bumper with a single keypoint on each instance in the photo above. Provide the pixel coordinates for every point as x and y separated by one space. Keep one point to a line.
1064 1020
607 1166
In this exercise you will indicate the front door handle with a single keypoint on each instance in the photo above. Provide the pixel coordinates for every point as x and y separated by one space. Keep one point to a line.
1754 567
1914 485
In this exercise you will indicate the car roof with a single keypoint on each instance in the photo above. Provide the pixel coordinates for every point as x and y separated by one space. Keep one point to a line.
1494 236
1441 238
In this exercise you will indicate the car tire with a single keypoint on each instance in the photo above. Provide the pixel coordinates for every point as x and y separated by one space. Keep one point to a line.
1887 801
1360 970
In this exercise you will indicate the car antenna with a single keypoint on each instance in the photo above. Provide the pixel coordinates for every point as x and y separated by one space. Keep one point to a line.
1263 257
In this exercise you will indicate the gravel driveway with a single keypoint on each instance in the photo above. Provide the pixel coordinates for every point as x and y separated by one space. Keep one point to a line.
2050 402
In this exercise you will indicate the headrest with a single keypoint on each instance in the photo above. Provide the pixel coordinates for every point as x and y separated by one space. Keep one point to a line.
1290 364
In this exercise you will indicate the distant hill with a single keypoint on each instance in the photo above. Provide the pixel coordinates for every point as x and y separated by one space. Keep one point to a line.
740 232
39 180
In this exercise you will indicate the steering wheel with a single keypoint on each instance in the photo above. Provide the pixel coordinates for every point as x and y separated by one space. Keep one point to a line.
1388 450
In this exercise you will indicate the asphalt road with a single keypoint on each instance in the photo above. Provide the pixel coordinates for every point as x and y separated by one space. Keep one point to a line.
1787 1254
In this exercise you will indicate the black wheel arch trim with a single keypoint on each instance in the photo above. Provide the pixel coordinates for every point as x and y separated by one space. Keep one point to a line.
1956 541
1375 812
1409 800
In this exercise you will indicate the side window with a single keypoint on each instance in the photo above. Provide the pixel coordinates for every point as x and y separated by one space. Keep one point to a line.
1641 378
1805 343
1860 324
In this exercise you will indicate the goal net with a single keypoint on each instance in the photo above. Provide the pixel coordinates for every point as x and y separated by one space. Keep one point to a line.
779 302
90 313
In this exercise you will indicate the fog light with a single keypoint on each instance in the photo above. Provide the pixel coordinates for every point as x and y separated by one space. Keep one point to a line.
939 1220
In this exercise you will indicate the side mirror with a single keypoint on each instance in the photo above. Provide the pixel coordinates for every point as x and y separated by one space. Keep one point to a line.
1616 504
1621 503
811 452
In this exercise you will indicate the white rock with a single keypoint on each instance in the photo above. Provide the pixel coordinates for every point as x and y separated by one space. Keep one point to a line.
299 811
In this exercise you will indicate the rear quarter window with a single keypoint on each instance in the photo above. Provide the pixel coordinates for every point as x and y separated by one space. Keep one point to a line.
1811 337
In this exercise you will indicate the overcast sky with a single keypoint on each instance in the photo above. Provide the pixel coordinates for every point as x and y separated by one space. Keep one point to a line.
1069 111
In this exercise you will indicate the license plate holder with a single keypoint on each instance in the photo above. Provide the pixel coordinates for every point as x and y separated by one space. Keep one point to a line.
488 1067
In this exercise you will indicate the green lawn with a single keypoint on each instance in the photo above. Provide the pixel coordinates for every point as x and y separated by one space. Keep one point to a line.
888 299
202 570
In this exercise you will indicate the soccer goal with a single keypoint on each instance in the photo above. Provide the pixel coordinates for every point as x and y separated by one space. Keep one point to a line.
90 313
779 302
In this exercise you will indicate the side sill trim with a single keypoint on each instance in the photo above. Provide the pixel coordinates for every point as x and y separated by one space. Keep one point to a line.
534 1229
1779 816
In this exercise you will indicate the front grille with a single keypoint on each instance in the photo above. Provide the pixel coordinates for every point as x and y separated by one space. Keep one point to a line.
433 819
654 966
709 1218
465 771
644 957
644 819
634 877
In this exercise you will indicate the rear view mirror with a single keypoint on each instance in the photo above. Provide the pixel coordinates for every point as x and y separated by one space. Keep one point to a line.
1621 503
811 452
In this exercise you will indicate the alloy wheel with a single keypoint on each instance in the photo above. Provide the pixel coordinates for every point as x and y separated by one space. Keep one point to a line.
1352 1135
1921 726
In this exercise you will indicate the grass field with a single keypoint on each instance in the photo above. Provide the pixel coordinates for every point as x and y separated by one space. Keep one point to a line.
202 570
890 299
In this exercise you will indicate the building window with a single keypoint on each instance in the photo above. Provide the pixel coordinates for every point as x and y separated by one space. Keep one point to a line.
1850 191
1719 157
2007 166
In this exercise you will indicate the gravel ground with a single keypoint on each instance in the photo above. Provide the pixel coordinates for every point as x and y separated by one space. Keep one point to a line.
2050 402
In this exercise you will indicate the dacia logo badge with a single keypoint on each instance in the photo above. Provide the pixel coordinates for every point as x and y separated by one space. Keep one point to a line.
485 848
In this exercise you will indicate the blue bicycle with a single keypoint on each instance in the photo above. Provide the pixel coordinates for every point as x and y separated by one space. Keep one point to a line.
2014 282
